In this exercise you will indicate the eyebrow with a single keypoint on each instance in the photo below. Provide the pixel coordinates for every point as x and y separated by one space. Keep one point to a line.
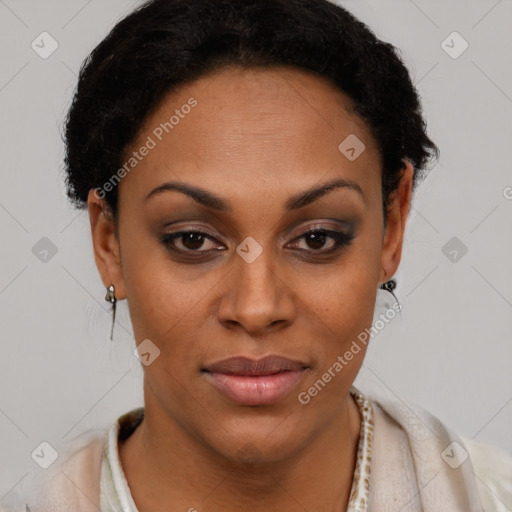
295 202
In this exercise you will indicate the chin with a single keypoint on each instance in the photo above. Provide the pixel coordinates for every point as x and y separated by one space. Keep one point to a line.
267 442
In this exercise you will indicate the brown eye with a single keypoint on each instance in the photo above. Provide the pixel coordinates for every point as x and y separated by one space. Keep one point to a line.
315 241
189 241
192 241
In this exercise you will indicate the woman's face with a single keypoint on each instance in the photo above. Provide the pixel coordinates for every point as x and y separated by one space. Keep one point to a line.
253 146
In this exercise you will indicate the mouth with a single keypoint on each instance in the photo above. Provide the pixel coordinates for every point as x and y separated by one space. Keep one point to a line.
255 382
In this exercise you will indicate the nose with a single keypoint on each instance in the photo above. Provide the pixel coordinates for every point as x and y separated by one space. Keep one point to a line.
257 296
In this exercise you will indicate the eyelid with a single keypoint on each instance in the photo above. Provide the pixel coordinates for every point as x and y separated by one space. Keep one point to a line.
188 226
326 224
348 226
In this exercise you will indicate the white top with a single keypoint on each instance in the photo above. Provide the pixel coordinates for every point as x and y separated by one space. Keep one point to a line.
408 461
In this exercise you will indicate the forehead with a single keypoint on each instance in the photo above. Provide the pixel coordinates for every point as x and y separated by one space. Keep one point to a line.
250 129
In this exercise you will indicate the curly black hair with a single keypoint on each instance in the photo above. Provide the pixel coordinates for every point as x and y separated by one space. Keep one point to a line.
166 43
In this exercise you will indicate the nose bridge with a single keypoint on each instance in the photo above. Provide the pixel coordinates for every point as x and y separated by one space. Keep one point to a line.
256 275
259 296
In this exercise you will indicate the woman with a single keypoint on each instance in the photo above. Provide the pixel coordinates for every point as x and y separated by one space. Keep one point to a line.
248 168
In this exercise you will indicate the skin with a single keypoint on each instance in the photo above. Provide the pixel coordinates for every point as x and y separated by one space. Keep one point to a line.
256 138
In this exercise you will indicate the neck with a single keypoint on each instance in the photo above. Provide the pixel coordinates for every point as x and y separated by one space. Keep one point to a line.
316 476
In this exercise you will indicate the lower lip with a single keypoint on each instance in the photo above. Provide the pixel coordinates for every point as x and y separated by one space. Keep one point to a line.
256 390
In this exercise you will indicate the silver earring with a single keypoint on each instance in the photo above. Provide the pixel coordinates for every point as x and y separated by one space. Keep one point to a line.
110 297
389 286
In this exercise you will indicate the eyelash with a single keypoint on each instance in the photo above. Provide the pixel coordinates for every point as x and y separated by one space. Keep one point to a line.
340 238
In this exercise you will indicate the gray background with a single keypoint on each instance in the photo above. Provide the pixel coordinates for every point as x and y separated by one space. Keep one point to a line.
451 350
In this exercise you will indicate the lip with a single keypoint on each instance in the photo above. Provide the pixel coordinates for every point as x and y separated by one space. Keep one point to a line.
255 382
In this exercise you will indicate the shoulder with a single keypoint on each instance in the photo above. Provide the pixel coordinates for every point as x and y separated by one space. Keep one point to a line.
483 471
73 481
492 467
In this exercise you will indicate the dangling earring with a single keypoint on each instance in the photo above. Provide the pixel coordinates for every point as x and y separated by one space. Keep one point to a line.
110 297
389 286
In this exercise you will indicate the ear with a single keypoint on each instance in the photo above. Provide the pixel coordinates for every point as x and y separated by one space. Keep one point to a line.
105 244
399 205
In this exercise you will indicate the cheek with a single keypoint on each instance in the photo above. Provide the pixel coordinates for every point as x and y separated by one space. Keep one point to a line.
342 310
347 290
168 307
341 302
161 307
155 298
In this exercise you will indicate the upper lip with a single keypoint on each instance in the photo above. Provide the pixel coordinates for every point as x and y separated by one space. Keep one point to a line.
267 365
